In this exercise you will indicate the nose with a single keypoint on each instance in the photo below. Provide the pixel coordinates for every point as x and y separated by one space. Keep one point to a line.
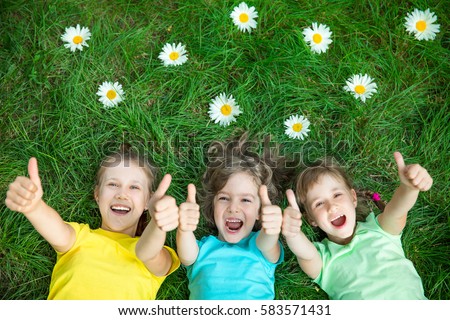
332 207
121 194
234 207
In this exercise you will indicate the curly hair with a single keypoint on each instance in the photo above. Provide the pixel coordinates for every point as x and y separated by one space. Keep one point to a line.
127 154
240 155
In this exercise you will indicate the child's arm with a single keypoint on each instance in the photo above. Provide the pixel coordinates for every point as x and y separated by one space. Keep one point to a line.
187 247
307 255
271 220
413 179
150 247
25 196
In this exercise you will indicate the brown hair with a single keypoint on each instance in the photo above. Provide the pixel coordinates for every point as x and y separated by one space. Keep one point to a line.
240 155
330 167
127 154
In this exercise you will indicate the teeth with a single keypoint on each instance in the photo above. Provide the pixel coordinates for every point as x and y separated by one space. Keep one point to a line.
337 217
233 220
120 208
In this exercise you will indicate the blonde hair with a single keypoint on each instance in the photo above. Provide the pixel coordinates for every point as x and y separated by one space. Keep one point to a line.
128 155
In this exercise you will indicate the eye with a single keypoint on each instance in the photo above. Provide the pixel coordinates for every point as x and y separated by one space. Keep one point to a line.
246 200
135 188
112 184
337 195
223 198
318 204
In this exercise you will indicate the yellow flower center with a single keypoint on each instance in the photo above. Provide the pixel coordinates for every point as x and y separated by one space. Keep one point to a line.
360 89
243 17
297 127
174 55
317 38
421 25
226 110
111 94
77 39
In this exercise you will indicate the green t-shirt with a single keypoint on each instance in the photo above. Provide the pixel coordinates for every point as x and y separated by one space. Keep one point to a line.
372 266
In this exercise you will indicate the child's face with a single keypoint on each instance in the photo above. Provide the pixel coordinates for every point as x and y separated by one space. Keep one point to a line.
332 208
236 207
122 197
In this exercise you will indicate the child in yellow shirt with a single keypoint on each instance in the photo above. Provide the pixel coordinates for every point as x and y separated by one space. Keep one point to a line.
123 259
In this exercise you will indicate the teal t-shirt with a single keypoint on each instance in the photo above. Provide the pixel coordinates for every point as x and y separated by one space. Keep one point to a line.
226 271
372 266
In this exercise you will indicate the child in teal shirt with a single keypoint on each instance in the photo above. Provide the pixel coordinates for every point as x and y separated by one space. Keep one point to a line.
240 262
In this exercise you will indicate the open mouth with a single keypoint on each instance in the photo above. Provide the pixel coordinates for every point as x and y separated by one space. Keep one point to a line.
338 221
233 224
121 210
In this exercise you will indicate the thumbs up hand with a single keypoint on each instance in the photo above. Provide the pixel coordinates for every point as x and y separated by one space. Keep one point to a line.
163 208
292 218
413 176
271 217
189 211
25 194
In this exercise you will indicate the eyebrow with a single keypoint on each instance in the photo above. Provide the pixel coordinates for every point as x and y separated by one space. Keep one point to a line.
132 181
239 195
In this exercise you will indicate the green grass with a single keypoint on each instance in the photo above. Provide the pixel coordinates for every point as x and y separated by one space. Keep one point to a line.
49 109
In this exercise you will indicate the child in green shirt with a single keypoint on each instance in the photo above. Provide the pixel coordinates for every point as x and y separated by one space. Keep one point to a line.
357 260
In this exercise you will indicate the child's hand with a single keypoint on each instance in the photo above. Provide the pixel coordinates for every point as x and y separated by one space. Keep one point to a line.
163 208
189 211
413 176
271 217
24 193
292 218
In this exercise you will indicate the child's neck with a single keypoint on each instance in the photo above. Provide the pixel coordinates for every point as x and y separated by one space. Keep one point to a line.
341 241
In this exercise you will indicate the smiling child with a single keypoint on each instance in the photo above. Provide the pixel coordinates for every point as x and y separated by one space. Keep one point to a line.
358 259
239 261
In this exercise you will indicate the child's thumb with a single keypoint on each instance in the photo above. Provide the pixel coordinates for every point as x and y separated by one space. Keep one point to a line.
264 196
33 172
191 193
400 162
291 199
162 187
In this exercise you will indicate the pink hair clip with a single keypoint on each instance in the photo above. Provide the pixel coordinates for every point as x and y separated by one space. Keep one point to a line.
376 197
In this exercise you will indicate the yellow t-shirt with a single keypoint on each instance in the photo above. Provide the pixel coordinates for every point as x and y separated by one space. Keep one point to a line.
102 265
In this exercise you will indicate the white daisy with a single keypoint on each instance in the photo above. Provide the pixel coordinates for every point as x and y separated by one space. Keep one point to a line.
362 86
421 24
244 17
110 94
76 38
172 55
318 37
297 127
223 109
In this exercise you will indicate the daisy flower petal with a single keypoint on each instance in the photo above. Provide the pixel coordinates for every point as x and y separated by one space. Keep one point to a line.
223 109
297 127
421 24
110 94
318 37
76 37
361 86
244 17
173 55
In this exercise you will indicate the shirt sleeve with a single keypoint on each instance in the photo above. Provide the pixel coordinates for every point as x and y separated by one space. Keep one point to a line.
268 266
77 227
175 260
